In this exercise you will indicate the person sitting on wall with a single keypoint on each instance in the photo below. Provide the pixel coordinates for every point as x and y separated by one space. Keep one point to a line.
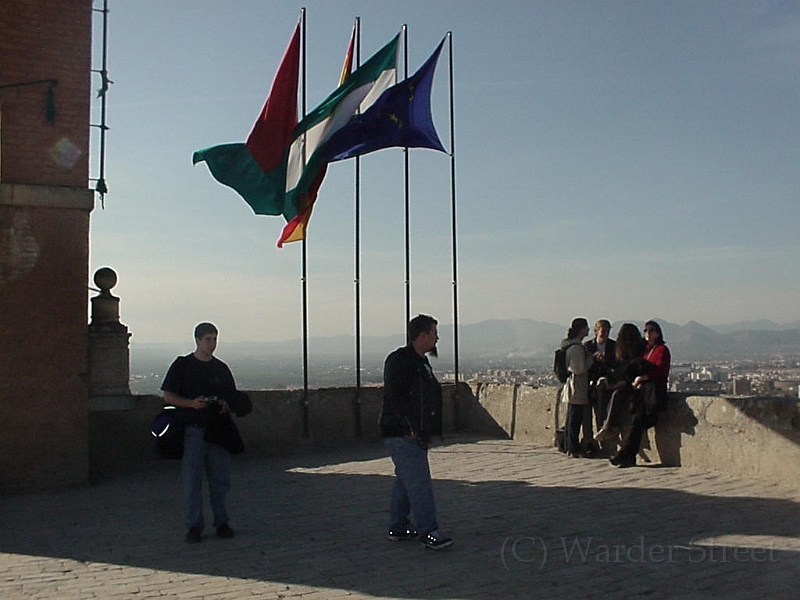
650 396
628 365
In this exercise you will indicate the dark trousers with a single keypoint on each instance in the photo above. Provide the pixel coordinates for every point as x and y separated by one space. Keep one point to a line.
619 403
645 405
602 399
572 429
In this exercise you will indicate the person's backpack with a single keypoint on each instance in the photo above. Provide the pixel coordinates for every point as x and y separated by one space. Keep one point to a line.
166 433
560 363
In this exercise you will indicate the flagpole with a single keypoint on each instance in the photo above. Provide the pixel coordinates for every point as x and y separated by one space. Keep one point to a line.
357 258
304 256
407 203
453 226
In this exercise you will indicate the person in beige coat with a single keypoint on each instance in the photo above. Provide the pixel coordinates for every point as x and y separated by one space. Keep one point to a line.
575 393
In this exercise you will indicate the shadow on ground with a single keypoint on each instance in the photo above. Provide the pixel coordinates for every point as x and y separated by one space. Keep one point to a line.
300 522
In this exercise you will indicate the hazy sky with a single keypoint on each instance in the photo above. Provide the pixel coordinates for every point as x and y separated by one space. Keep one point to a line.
617 159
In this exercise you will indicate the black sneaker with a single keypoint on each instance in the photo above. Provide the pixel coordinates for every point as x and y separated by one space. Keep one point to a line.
194 535
435 541
224 531
400 535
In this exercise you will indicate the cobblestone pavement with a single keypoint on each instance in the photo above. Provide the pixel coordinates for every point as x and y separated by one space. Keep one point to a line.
527 521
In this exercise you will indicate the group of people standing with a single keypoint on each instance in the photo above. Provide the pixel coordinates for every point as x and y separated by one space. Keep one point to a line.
613 379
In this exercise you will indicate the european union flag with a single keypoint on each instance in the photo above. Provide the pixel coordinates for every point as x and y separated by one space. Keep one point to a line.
401 116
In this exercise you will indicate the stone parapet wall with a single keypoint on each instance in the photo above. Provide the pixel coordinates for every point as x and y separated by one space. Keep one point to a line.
751 437
743 437
281 423
740 436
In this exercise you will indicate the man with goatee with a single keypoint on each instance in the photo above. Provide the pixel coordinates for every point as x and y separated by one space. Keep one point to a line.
410 420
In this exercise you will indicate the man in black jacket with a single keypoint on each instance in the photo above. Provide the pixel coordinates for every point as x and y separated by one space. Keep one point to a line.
411 418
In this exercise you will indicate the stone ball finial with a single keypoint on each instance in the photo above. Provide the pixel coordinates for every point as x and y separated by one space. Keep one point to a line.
105 278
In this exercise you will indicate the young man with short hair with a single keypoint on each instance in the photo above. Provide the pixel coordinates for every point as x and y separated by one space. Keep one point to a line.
200 386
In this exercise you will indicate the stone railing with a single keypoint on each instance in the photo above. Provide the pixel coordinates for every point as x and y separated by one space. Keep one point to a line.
740 436
281 423
750 437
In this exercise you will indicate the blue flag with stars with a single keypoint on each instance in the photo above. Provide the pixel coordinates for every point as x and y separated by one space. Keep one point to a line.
401 116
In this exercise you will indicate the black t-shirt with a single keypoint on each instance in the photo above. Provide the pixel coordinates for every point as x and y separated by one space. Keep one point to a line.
190 377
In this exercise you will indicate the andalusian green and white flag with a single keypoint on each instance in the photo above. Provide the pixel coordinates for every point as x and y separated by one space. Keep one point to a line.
306 165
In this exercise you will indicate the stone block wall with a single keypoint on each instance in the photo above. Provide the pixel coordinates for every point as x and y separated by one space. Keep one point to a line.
279 424
749 436
744 437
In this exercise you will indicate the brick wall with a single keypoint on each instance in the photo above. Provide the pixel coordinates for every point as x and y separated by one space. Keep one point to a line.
45 205
40 40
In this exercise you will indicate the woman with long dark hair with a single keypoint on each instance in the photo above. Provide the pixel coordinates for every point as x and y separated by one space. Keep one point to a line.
650 396
659 356
629 349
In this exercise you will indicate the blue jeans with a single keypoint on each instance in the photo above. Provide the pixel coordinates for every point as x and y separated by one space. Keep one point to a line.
201 457
412 491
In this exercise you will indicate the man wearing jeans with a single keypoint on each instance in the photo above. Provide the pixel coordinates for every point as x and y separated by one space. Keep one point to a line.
199 385
411 417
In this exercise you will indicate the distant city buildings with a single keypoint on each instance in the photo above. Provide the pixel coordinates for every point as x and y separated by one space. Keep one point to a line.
778 377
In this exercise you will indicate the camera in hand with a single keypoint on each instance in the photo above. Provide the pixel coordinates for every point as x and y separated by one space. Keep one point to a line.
213 403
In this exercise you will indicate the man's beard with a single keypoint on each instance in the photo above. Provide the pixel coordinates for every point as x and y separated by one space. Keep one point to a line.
434 352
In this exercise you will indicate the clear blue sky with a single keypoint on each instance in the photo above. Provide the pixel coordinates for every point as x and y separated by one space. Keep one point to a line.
617 159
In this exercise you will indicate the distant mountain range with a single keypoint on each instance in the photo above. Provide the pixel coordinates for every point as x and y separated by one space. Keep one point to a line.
496 342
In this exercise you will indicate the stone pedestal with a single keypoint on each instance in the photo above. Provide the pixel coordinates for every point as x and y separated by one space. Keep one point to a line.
109 355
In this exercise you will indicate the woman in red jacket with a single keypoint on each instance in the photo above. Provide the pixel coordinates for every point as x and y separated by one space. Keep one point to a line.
658 354
651 394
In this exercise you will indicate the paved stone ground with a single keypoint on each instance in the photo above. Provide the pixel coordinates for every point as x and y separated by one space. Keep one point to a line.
528 522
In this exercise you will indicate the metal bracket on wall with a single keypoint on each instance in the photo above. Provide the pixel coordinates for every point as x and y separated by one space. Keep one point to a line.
50 99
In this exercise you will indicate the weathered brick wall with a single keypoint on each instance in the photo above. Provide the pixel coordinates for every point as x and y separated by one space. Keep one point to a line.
44 243
40 40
